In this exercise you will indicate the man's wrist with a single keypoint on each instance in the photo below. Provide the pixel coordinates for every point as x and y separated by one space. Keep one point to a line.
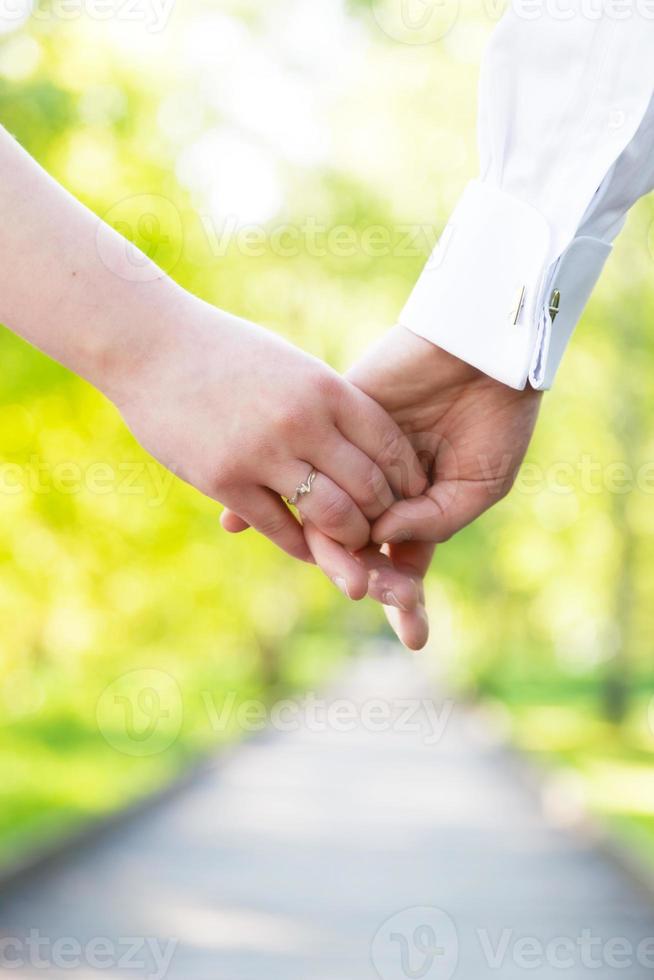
497 293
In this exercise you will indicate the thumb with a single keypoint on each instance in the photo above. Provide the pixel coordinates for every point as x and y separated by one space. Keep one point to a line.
448 506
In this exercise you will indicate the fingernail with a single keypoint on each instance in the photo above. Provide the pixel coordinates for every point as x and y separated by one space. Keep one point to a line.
390 599
341 584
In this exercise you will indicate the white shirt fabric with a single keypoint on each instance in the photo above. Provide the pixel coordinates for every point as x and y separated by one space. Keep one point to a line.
566 133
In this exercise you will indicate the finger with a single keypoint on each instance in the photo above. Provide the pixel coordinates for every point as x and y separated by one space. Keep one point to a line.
447 507
326 505
366 425
265 512
350 469
232 523
355 473
411 628
368 571
413 558
347 574
389 584
394 575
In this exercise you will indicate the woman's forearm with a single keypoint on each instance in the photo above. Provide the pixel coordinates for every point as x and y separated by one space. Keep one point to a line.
67 279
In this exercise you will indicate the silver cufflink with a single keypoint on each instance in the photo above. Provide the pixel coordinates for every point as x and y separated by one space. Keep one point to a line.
555 304
516 309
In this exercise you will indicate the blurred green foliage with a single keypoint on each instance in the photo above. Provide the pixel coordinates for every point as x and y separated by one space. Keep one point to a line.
349 149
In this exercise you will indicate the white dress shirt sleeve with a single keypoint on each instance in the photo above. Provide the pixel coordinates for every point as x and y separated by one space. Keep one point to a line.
566 133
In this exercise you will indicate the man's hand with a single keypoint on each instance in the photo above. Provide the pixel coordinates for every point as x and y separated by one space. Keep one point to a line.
472 434
471 431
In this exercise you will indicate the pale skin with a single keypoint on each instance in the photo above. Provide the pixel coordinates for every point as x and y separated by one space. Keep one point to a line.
231 408
472 433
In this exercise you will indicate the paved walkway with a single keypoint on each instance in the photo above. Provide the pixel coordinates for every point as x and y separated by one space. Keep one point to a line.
321 854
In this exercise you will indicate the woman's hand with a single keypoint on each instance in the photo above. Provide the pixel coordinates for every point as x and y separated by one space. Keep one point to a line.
245 417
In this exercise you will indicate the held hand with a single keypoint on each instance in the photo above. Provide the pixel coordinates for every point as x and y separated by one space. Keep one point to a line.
472 434
245 417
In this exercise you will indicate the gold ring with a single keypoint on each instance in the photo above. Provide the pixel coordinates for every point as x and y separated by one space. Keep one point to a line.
303 488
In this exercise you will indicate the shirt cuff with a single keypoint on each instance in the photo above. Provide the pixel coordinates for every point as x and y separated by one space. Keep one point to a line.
493 295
